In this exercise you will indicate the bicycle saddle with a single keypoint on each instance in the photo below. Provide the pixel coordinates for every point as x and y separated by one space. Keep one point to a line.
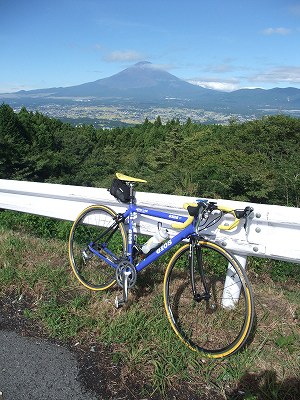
126 178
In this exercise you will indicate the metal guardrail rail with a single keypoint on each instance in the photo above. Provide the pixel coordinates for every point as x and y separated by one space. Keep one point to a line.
272 231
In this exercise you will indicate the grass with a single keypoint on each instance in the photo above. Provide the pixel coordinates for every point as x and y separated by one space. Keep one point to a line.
34 266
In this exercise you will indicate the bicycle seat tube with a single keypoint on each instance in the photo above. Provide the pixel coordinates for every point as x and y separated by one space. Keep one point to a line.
132 193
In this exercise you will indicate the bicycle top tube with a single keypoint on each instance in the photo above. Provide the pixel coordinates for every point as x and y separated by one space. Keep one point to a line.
182 234
133 208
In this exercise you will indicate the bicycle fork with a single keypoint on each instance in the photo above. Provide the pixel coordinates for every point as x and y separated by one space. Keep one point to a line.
195 247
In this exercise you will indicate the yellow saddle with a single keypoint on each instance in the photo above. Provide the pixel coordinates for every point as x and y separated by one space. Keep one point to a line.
127 178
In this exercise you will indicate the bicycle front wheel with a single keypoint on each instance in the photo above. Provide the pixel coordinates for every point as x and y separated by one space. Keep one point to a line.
96 228
209 304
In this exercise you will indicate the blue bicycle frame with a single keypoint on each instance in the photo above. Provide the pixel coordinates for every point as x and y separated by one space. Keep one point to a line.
130 214
162 249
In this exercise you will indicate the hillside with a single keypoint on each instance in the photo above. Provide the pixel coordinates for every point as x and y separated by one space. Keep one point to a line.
255 161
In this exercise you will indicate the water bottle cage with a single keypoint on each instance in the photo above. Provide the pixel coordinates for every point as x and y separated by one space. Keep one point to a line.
155 241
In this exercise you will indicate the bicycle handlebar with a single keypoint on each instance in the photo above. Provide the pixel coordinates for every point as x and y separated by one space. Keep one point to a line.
194 210
182 225
227 210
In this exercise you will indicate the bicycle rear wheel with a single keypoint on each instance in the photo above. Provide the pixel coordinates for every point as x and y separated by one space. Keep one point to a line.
217 319
96 228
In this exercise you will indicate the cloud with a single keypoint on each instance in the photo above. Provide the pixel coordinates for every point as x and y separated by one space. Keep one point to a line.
229 66
219 68
224 85
99 47
126 55
286 74
10 87
163 67
276 31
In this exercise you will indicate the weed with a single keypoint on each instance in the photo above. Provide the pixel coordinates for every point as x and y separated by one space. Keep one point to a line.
28 313
52 279
8 275
143 343
60 320
79 301
35 224
289 342
282 271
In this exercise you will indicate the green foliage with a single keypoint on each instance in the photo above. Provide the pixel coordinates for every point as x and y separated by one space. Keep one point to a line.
60 321
35 224
282 271
289 342
8 275
252 161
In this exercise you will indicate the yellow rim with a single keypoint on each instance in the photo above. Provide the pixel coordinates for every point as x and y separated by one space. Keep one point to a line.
247 326
95 207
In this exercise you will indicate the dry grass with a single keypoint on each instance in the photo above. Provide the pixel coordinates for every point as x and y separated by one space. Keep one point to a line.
143 345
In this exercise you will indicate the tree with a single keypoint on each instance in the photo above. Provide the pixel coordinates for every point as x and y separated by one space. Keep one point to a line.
13 144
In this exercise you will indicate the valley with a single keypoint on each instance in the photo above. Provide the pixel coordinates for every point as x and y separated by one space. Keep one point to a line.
142 91
123 114
107 116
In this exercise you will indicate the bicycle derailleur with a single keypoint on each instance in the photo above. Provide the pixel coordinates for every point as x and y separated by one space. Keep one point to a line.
126 277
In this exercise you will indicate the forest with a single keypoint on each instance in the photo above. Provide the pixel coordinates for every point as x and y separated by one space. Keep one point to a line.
255 161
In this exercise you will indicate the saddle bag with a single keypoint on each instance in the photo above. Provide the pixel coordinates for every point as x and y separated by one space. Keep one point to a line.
120 190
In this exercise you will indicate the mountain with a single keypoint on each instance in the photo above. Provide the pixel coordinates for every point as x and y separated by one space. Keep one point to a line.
143 83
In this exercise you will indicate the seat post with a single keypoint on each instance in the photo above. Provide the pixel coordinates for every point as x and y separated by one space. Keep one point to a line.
132 196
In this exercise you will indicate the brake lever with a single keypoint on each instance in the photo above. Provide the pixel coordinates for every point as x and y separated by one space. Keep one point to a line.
248 210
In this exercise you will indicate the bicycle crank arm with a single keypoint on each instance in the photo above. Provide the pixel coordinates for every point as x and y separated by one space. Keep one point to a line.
120 301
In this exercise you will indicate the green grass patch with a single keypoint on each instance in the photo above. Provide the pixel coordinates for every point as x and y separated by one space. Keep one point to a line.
38 225
143 344
61 321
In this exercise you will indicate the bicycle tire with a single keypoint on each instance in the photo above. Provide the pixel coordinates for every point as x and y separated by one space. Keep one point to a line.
94 223
217 327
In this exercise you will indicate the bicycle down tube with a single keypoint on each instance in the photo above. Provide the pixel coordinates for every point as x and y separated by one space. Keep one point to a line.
162 249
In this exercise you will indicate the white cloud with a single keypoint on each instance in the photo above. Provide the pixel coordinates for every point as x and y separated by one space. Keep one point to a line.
222 85
286 74
126 55
163 67
276 31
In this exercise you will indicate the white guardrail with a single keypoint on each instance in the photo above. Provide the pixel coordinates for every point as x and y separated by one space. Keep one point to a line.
272 231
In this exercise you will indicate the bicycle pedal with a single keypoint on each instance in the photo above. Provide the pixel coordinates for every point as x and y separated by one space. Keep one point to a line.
119 302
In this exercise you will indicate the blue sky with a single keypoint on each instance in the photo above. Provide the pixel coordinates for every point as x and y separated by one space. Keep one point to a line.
220 44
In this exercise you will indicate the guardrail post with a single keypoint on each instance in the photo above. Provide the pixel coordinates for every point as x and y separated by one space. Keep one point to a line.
232 286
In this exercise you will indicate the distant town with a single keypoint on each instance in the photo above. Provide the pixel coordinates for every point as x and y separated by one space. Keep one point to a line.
108 116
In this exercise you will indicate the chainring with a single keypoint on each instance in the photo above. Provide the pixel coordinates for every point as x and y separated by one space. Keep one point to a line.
125 267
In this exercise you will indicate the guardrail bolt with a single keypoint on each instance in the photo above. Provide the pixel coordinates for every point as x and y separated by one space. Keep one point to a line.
257 230
224 244
258 215
255 248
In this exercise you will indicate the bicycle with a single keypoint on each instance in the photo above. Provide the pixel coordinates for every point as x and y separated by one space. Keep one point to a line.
207 295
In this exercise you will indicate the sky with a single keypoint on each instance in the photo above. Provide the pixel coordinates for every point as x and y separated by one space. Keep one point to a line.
218 44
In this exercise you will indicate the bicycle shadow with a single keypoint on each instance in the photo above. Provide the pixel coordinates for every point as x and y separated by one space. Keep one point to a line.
266 386
149 280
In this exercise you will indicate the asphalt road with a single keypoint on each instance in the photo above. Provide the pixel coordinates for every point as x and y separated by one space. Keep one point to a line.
33 369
